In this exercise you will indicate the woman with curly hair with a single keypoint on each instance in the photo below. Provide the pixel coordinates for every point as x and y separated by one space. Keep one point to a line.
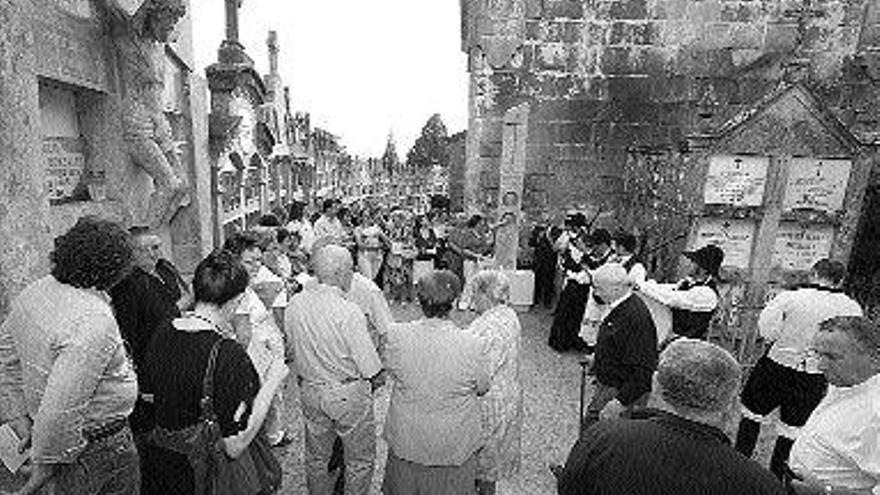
65 376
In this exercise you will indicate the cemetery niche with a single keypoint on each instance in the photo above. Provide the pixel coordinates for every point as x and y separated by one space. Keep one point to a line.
782 187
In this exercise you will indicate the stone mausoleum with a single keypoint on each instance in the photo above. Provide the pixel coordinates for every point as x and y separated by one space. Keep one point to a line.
98 106
259 151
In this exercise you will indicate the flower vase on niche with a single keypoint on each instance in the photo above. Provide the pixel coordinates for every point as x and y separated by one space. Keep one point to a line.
97 184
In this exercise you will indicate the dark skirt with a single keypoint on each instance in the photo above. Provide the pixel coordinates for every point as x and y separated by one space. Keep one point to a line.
567 319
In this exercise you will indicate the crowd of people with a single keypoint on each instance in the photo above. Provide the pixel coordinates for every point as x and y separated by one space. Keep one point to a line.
121 377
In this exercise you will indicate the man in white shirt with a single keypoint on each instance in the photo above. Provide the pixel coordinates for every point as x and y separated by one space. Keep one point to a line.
337 366
694 299
838 450
785 377
328 228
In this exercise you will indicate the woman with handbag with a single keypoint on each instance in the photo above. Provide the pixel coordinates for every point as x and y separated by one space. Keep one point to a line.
209 401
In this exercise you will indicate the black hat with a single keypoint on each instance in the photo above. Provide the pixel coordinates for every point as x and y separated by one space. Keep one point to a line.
708 258
600 236
576 220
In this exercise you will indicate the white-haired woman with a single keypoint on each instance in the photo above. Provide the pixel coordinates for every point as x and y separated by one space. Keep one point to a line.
502 408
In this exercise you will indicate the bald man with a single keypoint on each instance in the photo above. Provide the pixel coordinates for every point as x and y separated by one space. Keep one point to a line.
626 345
336 364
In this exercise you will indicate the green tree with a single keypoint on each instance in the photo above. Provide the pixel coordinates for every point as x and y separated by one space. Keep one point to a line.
430 147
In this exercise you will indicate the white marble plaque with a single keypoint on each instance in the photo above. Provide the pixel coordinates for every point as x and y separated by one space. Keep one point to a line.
798 247
817 184
65 163
736 180
733 236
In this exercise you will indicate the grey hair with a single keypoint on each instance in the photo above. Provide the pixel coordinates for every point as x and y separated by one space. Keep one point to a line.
329 260
494 284
861 330
698 376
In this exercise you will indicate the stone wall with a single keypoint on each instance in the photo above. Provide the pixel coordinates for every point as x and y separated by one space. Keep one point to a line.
605 76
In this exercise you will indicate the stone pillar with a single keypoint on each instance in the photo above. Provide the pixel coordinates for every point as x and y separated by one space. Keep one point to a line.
232 7
24 223
510 190
272 44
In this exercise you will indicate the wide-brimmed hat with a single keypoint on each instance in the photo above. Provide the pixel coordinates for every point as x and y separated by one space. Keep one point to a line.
708 258
600 236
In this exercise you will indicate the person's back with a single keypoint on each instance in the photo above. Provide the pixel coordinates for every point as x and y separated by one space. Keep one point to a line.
49 317
434 417
321 326
792 319
658 453
679 448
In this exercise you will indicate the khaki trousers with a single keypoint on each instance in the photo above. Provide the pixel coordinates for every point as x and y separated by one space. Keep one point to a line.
345 411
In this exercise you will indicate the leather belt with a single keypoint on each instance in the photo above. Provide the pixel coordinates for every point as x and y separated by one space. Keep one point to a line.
345 381
105 431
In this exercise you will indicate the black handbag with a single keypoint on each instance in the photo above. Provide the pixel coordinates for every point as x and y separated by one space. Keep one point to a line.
255 472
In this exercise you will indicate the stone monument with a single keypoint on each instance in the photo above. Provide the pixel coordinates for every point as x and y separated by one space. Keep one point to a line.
139 40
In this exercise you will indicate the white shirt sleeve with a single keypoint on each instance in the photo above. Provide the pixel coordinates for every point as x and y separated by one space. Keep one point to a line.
362 349
700 298
772 317
638 274
381 313
561 242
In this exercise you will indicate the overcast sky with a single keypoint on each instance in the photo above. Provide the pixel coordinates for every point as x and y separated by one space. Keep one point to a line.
362 68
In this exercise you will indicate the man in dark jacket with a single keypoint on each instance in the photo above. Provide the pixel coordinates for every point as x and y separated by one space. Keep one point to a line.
626 345
142 301
679 449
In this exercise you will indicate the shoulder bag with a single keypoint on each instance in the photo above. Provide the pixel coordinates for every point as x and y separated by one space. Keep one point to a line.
255 472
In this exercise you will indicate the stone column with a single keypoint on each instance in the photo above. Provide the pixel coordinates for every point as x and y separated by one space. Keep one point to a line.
510 191
272 44
232 7
24 210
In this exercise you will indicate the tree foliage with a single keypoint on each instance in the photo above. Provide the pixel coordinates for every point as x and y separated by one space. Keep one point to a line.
430 147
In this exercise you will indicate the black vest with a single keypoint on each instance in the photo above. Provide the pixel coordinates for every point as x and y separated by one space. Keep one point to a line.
693 324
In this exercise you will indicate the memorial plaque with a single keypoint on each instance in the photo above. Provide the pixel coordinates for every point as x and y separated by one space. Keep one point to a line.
733 236
817 184
65 163
736 180
798 247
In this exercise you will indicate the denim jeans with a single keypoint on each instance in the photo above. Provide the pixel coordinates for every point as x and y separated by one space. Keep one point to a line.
106 467
345 411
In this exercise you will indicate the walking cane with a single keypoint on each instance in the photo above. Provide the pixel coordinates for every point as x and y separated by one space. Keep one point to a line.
583 364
